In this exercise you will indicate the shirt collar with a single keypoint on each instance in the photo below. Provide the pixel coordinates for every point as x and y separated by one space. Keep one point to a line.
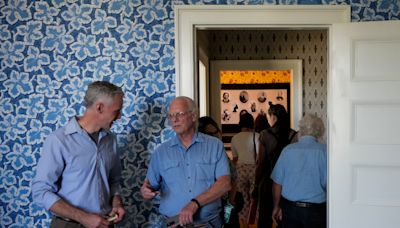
307 138
198 137
74 127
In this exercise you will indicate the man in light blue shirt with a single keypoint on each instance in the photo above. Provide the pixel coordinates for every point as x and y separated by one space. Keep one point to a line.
78 174
190 172
299 176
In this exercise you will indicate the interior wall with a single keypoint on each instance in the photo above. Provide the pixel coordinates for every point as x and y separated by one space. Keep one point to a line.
308 45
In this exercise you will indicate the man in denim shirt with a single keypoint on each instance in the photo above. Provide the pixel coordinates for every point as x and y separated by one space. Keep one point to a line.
189 171
78 174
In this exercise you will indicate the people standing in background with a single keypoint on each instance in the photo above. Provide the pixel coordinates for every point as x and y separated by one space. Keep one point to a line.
190 172
272 141
261 122
244 151
299 179
78 174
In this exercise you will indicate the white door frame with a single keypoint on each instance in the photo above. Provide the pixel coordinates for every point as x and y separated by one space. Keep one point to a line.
190 17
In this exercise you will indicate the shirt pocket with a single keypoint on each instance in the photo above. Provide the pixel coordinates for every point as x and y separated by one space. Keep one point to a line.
171 173
205 171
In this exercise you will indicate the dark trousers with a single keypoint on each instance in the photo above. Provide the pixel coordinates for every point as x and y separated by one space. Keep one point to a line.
303 217
57 222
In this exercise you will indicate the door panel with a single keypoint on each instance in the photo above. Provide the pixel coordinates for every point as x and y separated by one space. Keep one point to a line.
364 125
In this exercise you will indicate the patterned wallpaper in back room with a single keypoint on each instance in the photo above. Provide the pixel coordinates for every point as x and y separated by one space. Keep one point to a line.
307 45
51 49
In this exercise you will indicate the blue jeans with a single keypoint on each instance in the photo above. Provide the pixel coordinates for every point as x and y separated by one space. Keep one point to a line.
303 217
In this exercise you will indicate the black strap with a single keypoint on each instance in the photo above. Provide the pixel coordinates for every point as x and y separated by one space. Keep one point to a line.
254 144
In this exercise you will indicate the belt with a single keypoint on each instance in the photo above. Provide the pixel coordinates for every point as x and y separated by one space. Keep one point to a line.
66 219
303 204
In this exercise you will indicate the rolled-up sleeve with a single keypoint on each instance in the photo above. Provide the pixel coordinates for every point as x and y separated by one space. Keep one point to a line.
48 171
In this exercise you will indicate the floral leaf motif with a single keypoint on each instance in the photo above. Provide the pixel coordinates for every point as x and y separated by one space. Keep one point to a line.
16 11
44 12
18 83
125 7
33 105
131 32
35 60
10 53
6 106
148 124
16 197
56 39
167 60
21 156
13 126
7 178
152 10
58 112
134 104
77 88
37 132
102 23
31 31
100 67
154 82
64 68
46 85
124 72
77 15
4 32
165 31
146 52
113 48
85 46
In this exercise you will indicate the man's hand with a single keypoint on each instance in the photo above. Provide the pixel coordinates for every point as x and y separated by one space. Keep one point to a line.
276 215
117 210
146 190
94 221
186 215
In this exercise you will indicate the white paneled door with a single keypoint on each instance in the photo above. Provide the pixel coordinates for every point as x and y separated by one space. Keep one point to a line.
364 125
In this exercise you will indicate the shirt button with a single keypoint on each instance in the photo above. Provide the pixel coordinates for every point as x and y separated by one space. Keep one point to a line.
190 190
187 164
188 177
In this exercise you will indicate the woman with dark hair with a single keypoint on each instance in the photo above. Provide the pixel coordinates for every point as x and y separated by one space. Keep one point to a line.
244 152
261 122
272 141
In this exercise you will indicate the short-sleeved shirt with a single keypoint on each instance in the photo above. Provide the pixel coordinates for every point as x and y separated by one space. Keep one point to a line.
182 174
301 170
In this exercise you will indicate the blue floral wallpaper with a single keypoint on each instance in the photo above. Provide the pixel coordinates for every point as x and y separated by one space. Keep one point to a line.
49 52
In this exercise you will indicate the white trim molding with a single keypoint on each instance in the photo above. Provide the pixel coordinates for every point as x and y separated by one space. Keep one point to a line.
188 18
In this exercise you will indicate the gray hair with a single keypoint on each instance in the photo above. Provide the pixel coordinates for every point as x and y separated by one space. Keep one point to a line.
311 125
191 105
99 89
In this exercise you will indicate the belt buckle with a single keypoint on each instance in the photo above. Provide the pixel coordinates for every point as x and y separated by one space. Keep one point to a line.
301 204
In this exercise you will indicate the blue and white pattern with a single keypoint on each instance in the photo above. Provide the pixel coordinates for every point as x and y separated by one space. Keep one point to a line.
51 50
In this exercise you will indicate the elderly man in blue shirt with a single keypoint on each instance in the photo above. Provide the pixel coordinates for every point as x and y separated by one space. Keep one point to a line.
78 174
299 179
190 172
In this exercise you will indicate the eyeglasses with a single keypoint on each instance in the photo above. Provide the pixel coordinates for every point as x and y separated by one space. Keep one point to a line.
177 115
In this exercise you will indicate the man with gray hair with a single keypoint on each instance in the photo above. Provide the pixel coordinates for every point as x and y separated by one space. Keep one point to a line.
189 172
299 179
78 174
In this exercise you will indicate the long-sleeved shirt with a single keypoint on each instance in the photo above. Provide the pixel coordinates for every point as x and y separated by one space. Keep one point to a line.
182 174
76 169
